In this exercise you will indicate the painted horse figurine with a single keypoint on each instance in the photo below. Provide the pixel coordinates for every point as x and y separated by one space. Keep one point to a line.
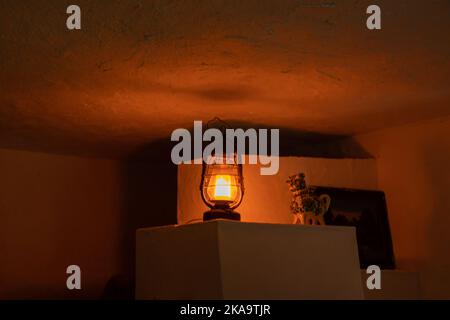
307 207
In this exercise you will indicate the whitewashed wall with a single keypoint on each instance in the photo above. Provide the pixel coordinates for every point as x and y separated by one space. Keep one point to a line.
267 198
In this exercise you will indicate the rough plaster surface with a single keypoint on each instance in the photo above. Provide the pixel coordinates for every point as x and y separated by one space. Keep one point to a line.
139 69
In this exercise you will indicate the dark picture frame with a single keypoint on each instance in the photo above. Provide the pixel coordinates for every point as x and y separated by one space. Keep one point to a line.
366 210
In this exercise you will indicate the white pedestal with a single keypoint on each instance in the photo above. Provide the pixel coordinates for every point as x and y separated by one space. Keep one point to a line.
236 260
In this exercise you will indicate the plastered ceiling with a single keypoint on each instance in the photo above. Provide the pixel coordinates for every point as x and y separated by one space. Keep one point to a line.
139 69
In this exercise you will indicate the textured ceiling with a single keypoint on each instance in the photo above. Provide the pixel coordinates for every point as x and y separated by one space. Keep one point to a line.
139 69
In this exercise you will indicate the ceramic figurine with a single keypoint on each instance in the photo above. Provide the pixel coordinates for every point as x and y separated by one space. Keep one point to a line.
307 207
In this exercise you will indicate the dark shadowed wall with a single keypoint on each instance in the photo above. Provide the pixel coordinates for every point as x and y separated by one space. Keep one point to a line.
60 210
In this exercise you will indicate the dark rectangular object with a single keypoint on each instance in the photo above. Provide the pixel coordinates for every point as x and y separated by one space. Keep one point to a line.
366 210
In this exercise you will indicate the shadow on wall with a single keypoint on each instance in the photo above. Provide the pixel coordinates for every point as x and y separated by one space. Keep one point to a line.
149 182
435 158
302 143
